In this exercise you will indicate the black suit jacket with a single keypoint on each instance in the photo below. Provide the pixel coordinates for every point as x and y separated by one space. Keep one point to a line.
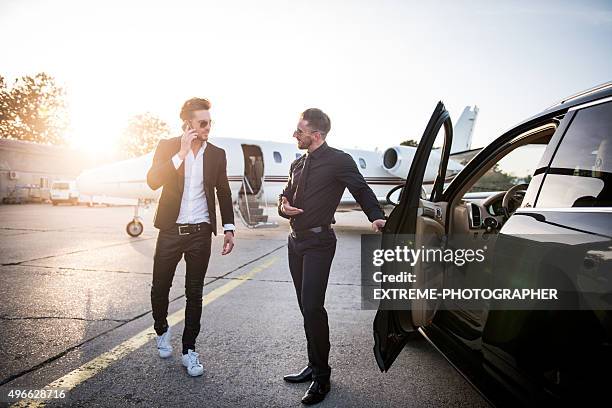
163 174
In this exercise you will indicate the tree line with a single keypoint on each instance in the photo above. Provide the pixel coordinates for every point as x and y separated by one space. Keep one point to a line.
34 109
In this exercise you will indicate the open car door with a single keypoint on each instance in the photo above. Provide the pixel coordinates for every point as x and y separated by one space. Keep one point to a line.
423 216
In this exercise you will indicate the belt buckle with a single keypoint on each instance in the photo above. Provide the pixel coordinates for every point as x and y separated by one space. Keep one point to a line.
181 232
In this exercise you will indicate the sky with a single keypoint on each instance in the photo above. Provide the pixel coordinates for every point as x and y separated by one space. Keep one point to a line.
376 67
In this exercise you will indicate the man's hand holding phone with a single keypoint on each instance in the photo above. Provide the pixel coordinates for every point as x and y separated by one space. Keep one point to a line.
189 134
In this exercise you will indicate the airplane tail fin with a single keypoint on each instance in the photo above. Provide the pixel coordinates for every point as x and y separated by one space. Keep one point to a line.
463 130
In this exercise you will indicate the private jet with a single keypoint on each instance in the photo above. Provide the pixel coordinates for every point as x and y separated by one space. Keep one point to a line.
258 171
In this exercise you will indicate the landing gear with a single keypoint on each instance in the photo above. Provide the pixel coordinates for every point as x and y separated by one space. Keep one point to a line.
135 227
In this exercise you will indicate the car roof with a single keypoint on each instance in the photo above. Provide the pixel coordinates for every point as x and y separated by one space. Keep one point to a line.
589 95
594 93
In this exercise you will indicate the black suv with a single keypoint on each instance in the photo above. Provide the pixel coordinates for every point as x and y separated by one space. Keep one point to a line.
550 176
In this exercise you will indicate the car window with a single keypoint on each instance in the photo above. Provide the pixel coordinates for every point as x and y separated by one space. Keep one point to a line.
517 167
61 186
580 174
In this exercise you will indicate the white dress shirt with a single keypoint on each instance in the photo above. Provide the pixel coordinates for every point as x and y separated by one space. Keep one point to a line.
194 207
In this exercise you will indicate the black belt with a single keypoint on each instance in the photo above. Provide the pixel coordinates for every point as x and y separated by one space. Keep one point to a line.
186 229
309 231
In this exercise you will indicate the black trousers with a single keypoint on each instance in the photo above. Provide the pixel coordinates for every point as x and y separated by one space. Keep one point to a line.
310 259
169 250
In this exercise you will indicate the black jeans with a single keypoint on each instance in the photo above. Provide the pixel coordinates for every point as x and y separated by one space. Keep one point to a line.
310 259
168 252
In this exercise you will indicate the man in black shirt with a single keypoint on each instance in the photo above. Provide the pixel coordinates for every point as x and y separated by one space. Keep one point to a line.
316 183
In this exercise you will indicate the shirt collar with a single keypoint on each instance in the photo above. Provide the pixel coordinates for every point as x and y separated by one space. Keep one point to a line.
317 153
199 153
202 148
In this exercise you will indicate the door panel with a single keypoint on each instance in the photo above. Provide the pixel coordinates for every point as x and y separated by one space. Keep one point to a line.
425 220
429 234
528 345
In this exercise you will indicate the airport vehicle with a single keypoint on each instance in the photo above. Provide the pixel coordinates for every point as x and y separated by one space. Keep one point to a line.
64 191
563 197
258 170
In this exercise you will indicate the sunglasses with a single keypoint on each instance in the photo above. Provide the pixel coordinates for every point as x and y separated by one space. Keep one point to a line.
204 123
300 132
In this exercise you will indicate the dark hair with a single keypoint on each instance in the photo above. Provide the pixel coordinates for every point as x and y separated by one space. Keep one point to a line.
317 120
194 104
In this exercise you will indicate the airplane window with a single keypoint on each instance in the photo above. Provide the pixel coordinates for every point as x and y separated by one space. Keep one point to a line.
362 163
277 157
298 155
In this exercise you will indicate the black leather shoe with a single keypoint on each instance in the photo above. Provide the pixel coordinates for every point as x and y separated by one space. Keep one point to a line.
302 376
315 393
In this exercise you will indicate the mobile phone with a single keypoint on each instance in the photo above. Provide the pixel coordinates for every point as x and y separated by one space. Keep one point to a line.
187 126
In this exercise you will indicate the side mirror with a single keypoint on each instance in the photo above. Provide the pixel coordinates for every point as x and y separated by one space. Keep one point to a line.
393 190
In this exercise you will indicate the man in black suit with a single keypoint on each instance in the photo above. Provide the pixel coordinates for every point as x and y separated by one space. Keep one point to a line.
316 183
189 169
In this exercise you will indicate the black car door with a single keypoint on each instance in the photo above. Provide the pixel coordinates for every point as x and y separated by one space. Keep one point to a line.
562 239
419 217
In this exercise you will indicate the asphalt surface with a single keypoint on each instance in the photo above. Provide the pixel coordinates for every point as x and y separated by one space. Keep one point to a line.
74 285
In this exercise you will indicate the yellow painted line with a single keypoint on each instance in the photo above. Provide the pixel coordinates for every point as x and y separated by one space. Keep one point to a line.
103 361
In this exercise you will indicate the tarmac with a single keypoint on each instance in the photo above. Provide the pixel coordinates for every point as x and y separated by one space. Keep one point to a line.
76 313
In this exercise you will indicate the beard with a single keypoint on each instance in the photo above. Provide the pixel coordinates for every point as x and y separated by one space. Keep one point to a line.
305 143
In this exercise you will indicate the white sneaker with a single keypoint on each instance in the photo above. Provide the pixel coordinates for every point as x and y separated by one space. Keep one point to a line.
163 344
191 361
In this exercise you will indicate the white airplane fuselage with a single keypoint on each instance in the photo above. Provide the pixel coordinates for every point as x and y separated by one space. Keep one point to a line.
127 178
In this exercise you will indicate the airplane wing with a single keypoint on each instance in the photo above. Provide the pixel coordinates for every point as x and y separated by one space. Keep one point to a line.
465 156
